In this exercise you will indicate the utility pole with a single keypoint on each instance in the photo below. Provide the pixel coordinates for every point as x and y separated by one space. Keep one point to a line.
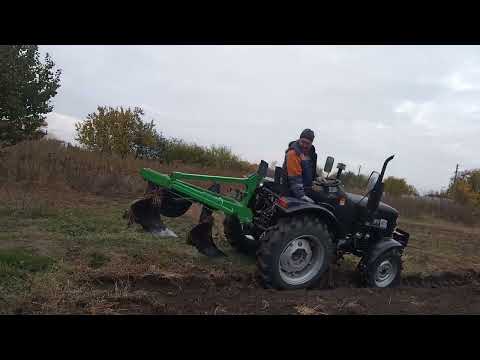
456 173
359 168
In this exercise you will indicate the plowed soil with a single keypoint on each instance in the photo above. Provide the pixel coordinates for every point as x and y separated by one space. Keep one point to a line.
203 293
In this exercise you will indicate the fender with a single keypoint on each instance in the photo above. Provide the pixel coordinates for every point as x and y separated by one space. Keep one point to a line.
383 246
301 207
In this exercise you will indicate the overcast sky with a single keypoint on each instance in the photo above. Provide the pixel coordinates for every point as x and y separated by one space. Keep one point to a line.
421 103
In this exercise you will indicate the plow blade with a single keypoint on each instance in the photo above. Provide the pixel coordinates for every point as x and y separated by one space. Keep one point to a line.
145 213
148 210
156 202
201 235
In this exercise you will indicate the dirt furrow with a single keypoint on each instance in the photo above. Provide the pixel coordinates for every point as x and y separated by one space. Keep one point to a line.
237 294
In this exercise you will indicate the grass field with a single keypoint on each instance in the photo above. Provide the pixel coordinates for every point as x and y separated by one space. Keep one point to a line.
52 254
73 253
65 248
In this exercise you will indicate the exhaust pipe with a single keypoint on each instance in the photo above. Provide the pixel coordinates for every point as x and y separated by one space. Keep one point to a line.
377 191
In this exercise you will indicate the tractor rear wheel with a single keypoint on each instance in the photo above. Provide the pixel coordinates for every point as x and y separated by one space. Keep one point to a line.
294 254
236 237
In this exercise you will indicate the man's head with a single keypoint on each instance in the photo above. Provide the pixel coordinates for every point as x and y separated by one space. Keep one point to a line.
306 140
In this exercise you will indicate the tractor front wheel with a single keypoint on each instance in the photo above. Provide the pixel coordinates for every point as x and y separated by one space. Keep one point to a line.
294 254
385 271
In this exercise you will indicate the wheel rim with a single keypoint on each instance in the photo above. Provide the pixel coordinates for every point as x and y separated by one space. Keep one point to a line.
300 260
385 273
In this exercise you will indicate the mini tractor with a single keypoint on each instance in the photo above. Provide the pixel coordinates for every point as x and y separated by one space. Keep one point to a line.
295 242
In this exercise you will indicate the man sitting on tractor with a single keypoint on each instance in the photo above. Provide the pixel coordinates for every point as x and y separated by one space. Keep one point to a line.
300 165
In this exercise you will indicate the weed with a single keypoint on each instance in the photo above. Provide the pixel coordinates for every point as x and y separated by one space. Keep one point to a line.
97 259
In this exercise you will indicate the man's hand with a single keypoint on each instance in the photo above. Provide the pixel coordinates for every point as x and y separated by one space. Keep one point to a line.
307 199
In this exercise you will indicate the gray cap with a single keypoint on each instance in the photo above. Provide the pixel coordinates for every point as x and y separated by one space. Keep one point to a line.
307 134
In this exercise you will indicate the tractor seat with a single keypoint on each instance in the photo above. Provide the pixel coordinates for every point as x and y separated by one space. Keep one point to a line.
279 184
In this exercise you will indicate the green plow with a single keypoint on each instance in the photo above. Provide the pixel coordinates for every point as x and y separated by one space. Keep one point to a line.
172 196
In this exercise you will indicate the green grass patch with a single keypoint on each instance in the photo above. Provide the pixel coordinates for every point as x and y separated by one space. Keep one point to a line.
24 261
6 211
84 222
31 211
16 264
97 259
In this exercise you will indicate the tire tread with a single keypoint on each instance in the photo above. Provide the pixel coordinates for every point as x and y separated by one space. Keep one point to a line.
268 247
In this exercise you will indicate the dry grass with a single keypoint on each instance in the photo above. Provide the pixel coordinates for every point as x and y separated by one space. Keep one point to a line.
48 164
423 208
441 209
52 164
438 246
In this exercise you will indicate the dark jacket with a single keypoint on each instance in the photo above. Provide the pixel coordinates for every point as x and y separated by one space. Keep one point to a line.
300 172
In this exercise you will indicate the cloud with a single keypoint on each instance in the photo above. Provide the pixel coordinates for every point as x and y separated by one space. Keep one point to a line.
457 83
364 102
62 126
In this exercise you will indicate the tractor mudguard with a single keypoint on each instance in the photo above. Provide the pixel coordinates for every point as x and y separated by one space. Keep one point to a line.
381 247
302 207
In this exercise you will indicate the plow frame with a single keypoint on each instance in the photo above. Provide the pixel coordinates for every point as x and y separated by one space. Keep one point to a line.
176 181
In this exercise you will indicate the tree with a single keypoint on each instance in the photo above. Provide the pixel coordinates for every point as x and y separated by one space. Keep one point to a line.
26 88
152 146
398 187
353 181
472 177
466 188
117 131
